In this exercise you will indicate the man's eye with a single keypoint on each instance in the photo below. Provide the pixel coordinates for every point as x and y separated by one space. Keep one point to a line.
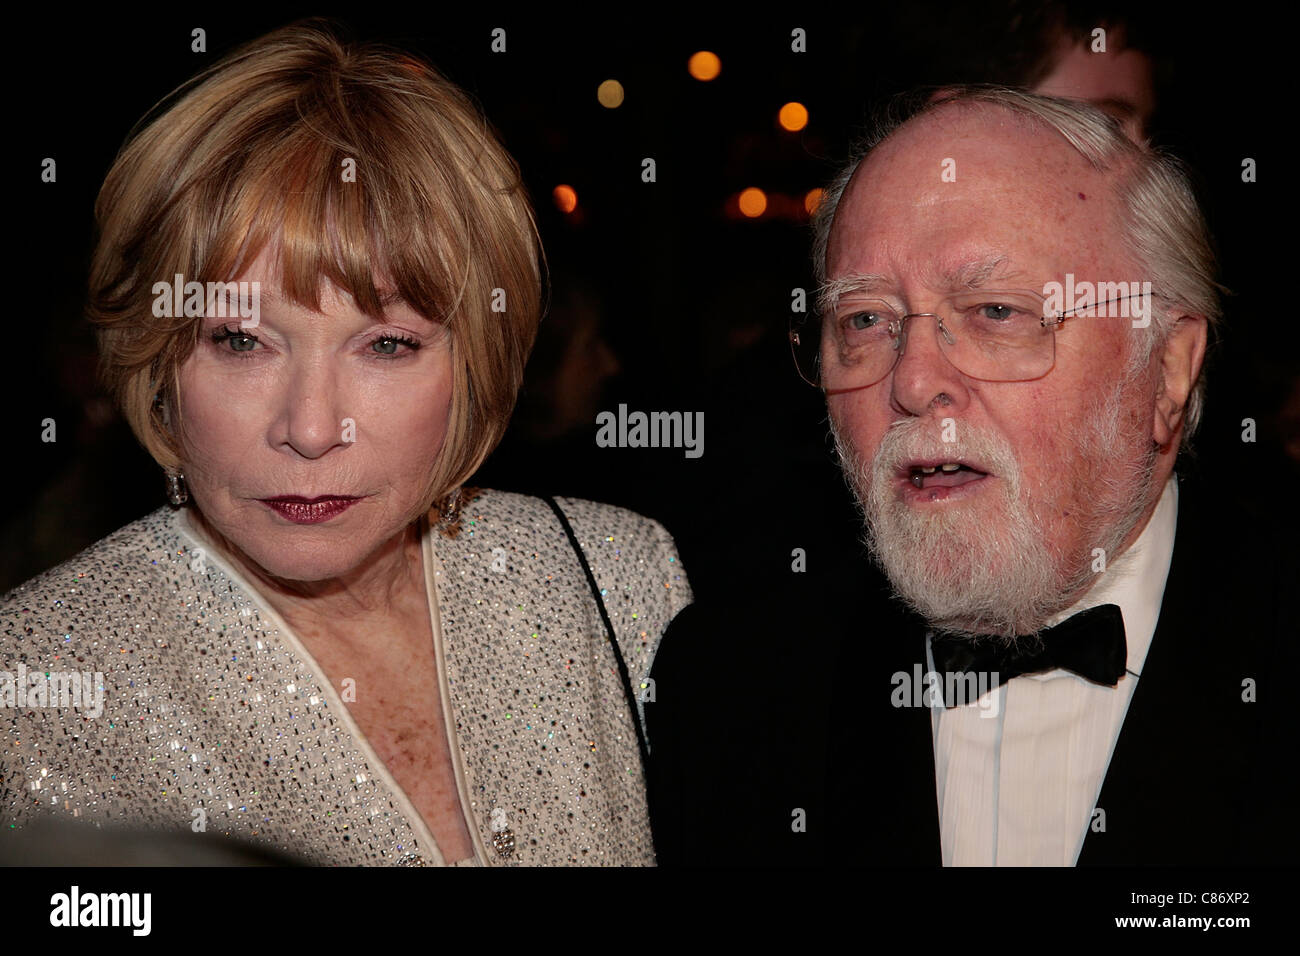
995 311
861 321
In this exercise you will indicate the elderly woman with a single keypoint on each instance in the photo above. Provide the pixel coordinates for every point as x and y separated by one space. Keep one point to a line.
316 284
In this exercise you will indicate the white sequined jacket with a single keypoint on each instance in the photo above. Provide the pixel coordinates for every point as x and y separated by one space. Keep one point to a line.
213 710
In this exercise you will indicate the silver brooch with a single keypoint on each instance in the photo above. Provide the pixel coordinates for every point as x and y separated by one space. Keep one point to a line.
503 838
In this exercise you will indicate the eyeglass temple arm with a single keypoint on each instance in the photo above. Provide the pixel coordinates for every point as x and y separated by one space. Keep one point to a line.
1060 317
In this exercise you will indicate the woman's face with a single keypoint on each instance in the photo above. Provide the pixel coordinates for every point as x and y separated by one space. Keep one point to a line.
310 405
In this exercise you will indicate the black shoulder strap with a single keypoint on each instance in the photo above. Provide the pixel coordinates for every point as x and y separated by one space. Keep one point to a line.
609 630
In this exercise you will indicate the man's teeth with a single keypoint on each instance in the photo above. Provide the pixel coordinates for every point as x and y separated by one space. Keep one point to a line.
920 471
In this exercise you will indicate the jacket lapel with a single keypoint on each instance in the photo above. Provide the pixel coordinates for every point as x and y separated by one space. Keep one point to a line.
1183 750
882 754
507 660
917 805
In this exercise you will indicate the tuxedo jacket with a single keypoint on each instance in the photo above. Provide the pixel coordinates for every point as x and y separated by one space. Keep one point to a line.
777 742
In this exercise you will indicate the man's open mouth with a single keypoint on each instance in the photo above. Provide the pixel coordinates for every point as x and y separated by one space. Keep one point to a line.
946 474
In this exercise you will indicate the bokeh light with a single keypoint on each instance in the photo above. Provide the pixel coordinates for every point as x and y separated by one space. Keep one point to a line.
704 66
610 94
811 200
565 197
793 116
753 202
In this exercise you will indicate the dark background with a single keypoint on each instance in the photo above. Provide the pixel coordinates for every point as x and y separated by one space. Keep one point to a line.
662 296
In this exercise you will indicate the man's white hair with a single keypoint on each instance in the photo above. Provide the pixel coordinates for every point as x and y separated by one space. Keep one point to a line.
1163 226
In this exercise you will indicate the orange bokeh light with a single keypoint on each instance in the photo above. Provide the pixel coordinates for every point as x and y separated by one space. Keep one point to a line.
812 200
610 94
793 116
566 199
704 66
753 202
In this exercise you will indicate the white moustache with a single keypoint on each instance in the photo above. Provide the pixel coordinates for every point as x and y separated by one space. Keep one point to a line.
909 440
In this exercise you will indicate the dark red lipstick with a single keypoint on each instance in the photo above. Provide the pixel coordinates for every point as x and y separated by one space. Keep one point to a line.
302 510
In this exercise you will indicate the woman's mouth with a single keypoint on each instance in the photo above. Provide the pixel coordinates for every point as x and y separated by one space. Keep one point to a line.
309 511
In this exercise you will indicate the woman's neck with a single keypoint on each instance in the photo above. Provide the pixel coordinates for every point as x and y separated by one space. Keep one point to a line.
387 587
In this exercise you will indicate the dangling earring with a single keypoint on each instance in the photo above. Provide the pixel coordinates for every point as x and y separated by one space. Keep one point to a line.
449 514
176 492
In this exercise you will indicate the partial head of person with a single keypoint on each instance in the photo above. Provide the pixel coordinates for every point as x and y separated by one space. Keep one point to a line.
317 277
1110 57
1100 66
1014 310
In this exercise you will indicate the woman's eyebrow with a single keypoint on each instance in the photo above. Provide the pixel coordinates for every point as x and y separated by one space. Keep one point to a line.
387 299
391 297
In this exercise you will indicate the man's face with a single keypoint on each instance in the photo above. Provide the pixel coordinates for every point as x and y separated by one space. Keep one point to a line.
1052 468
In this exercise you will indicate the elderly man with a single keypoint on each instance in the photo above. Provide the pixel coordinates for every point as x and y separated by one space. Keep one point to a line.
1004 446
1012 323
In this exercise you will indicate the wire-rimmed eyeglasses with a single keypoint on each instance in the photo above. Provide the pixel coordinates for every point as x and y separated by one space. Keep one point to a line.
992 335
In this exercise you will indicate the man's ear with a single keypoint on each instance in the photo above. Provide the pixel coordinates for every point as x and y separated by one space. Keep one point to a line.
1183 355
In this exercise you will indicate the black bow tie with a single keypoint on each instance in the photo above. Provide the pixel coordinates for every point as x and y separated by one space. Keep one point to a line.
1090 643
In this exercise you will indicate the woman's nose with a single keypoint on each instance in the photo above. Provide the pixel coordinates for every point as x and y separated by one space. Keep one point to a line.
313 419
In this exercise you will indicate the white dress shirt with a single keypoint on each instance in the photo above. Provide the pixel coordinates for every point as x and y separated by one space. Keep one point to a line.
1018 777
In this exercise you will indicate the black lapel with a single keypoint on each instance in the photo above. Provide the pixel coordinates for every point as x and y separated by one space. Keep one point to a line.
881 782
1177 783
917 807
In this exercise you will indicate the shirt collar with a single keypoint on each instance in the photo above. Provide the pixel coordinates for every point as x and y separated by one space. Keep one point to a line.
1135 580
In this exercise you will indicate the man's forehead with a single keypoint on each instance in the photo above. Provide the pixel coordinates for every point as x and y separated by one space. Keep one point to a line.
972 272
968 186
950 122
957 145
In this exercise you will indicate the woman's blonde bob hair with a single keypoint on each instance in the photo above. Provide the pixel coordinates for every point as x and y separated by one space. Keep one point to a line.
253 152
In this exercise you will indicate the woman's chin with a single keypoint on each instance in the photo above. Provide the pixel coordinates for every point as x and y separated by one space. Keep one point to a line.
305 567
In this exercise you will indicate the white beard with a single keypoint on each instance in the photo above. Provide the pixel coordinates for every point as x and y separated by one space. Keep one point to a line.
995 574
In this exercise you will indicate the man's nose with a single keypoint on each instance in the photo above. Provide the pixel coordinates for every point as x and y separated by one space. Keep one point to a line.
923 373
312 413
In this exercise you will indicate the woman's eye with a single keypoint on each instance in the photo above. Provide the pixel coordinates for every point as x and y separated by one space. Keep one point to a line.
224 334
388 344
